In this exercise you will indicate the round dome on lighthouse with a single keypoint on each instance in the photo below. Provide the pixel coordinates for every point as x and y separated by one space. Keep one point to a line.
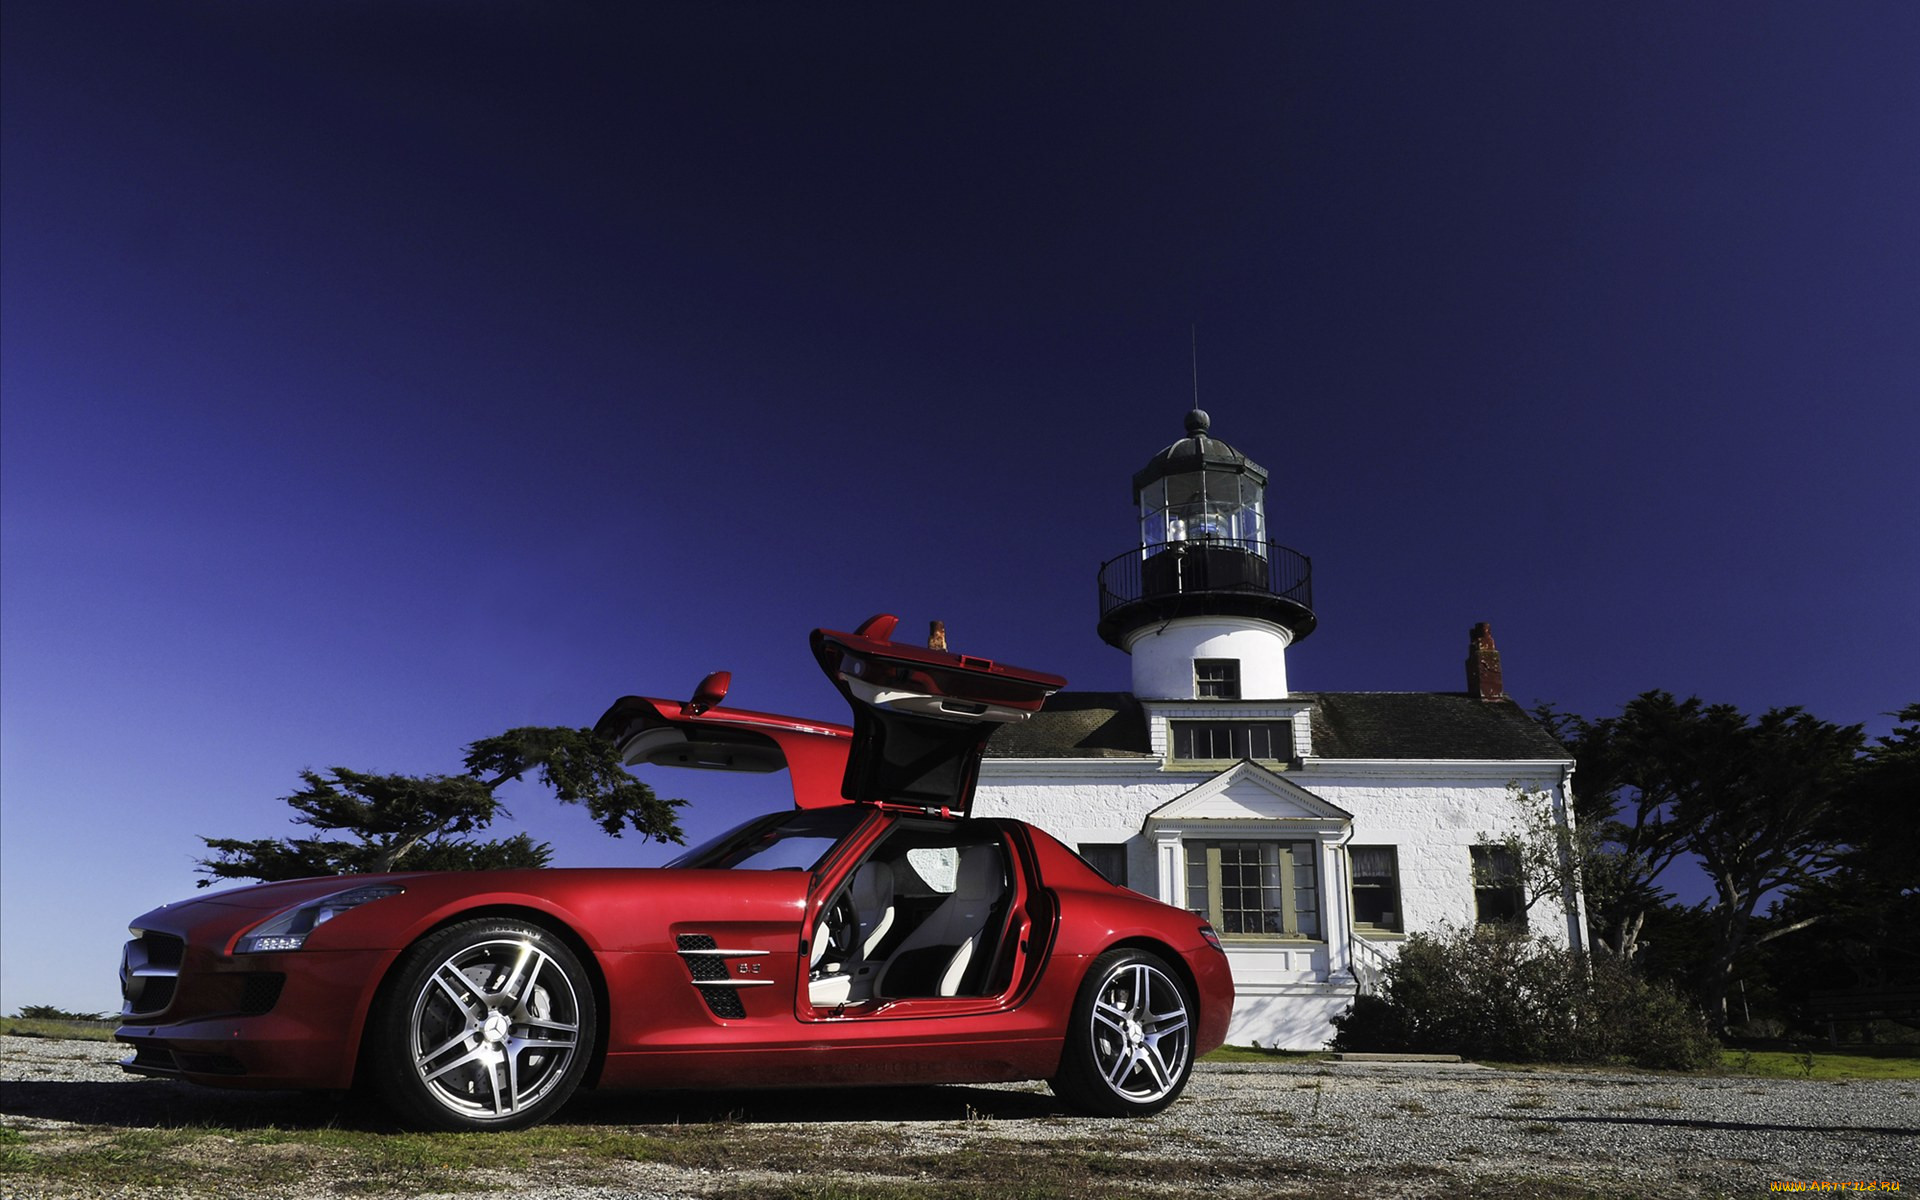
1205 591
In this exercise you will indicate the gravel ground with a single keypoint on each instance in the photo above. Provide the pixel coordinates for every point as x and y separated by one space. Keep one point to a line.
1283 1128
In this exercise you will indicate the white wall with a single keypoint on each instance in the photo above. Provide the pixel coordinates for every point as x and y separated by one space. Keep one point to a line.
1431 812
1163 656
1434 822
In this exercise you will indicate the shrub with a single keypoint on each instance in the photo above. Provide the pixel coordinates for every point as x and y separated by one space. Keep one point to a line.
1495 993
1625 1017
1375 1024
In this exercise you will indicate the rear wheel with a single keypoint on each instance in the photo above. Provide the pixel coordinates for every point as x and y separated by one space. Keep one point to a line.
488 1024
1129 1048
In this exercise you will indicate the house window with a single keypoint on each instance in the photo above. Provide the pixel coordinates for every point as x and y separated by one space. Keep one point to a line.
1108 858
1255 888
1232 739
1376 887
1216 678
1497 898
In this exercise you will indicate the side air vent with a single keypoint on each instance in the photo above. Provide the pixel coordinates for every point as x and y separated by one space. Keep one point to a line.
713 976
706 968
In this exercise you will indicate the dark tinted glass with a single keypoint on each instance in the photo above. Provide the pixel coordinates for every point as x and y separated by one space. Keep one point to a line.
795 840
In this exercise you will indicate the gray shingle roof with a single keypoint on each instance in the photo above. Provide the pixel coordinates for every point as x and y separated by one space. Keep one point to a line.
1439 725
1425 725
1077 725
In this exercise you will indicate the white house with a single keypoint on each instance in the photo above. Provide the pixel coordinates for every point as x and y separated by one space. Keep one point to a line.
1315 830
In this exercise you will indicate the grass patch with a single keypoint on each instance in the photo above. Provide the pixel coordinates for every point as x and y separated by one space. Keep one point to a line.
1894 1062
83 1031
1245 1054
207 1160
1889 1063
868 1164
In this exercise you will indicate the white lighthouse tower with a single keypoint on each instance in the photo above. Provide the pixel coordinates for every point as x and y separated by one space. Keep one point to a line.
1206 605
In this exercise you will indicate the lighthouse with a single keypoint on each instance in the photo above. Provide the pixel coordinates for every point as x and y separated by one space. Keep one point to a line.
1315 831
1206 604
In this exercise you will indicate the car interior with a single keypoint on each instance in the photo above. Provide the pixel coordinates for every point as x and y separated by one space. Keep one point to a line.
923 916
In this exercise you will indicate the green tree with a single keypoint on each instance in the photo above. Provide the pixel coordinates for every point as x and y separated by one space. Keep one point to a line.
1869 905
1628 845
428 820
49 1012
1757 801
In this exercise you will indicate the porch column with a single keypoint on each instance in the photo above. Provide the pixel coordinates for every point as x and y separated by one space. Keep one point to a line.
1166 844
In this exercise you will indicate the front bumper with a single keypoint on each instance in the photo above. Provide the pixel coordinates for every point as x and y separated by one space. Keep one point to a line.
289 1020
1214 980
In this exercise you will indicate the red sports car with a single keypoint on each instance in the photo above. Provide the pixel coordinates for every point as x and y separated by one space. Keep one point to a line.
874 933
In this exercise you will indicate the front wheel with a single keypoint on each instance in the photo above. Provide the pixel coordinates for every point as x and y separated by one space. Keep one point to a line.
487 1025
1129 1048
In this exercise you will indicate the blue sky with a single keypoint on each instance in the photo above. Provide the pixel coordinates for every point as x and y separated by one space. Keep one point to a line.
378 377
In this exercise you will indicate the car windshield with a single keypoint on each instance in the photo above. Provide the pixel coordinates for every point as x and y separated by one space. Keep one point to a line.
795 840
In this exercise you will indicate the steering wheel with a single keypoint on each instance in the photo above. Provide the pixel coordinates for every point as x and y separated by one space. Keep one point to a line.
840 928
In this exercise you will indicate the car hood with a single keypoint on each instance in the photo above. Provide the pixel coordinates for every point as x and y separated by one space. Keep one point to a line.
263 897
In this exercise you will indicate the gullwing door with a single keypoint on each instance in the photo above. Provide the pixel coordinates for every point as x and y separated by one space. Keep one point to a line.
921 716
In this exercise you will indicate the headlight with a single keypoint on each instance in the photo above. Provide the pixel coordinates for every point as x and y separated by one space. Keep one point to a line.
289 930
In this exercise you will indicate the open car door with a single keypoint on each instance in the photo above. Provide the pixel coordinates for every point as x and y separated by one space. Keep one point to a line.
698 733
921 717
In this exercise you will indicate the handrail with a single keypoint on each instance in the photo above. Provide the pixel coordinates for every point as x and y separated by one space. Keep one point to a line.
1206 566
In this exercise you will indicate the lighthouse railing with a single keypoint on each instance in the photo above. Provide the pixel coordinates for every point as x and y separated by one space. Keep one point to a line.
1204 566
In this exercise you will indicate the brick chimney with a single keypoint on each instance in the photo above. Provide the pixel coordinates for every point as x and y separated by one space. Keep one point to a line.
1483 664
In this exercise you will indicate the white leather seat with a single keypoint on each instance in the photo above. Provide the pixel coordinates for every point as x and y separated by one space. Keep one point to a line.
872 893
960 920
840 982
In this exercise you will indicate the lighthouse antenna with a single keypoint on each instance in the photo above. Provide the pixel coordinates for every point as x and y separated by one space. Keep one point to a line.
1193 343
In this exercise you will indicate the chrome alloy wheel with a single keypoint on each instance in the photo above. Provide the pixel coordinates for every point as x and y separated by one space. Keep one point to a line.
494 1028
1141 1036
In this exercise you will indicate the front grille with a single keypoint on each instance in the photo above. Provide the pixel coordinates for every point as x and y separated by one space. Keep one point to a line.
261 992
149 972
153 996
163 949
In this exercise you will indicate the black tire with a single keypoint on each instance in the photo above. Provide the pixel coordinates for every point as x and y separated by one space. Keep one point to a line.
1129 1049
488 1024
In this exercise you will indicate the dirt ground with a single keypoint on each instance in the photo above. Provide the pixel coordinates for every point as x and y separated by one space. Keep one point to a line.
73 1125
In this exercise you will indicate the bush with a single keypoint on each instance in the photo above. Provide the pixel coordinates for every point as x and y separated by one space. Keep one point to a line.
1374 1024
1495 993
1623 1017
